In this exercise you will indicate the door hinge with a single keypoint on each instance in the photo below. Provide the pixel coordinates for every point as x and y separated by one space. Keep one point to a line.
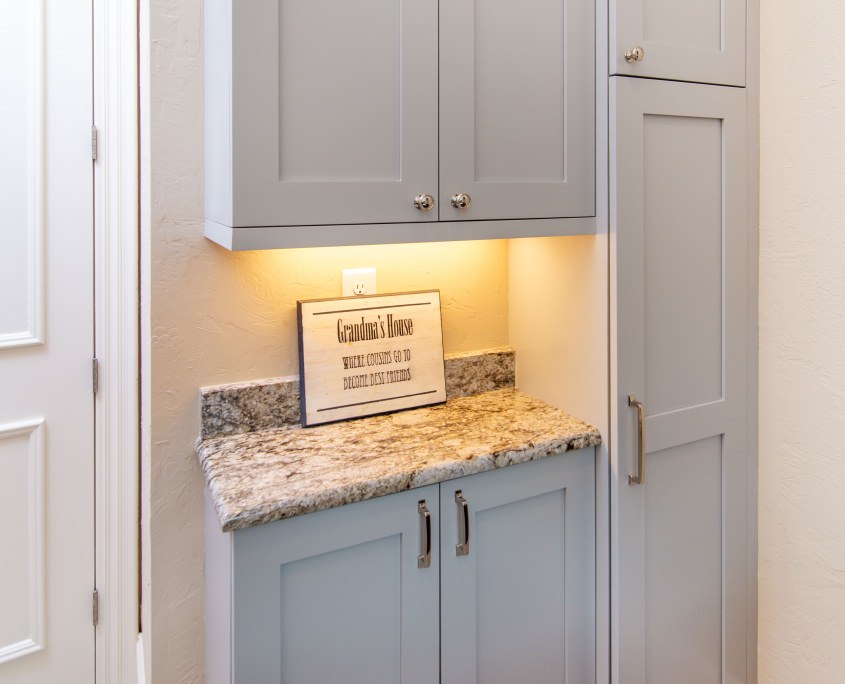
94 143
95 607
95 374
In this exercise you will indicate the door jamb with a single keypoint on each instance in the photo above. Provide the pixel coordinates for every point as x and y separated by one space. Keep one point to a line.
116 304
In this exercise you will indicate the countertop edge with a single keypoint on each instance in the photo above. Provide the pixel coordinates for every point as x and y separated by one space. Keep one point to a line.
394 482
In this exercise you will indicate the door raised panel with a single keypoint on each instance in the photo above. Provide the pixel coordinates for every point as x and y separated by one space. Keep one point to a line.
349 598
693 23
21 173
686 40
22 539
339 106
515 591
683 224
683 573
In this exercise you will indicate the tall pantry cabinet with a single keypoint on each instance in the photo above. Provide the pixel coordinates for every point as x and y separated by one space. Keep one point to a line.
680 367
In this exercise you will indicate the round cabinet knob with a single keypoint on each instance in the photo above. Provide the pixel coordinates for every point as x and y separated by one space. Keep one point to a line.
636 54
461 201
424 202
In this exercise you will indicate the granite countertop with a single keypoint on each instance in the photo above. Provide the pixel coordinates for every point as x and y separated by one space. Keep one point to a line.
262 476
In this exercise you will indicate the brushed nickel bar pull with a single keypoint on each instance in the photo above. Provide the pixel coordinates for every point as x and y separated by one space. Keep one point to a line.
424 559
462 549
639 478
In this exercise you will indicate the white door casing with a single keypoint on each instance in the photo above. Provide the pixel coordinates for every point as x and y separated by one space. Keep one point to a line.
46 343
116 337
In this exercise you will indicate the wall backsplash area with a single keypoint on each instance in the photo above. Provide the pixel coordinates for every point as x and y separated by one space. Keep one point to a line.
265 286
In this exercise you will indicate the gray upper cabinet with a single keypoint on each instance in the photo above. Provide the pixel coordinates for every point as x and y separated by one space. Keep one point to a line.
680 40
328 113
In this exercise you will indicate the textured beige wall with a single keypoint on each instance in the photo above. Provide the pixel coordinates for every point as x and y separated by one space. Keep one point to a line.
211 316
802 344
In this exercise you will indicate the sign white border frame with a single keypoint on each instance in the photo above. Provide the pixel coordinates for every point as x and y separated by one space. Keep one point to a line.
372 357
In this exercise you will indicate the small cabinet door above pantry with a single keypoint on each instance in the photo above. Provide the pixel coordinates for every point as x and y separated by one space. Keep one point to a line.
328 113
701 41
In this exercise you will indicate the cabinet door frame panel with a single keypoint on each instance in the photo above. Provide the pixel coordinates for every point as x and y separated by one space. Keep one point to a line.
259 552
571 196
248 83
572 473
725 417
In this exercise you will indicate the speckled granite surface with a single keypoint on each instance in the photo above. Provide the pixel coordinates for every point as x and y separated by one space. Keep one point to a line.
268 475
273 403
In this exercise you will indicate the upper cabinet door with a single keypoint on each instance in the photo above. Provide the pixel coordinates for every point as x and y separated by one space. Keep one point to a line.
682 40
517 109
333 110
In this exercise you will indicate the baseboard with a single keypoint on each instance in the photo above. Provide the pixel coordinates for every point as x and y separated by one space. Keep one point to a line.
139 660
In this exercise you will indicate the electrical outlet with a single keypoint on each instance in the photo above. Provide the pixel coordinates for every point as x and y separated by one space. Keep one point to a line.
358 281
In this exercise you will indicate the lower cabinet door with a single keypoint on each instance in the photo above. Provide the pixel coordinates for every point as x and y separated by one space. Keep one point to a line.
338 596
518 573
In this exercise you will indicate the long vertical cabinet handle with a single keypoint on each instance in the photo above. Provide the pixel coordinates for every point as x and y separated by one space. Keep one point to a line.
462 549
639 478
424 559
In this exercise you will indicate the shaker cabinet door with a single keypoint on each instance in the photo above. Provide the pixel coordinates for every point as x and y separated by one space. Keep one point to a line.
678 176
339 596
517 109
518 601
682 40
333 111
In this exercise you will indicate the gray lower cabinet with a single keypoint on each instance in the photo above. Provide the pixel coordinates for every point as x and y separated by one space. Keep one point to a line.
346 595
684 40
680 292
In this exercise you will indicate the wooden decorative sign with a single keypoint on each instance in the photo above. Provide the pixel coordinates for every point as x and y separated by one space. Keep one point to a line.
359 356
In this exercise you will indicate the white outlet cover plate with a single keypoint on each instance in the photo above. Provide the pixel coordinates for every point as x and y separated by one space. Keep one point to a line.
358 281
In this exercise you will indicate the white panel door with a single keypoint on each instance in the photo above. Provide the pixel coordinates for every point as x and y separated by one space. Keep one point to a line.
46 343
682 40
679 231
517 109
333 111
339 595
518 601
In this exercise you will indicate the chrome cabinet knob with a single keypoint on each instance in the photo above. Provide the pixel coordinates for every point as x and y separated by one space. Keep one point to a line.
424 202
461 200
636 54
